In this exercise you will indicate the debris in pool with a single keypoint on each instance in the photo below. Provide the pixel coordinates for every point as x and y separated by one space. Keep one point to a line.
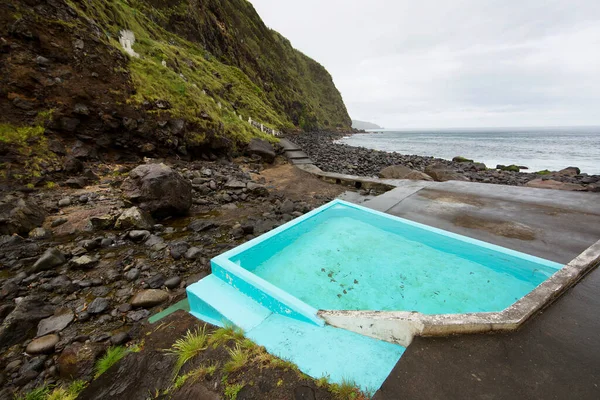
339 295
355 282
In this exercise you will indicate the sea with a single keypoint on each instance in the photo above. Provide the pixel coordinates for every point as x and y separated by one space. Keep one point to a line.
536 148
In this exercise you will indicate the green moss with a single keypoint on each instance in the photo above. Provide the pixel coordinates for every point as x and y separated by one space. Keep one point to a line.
544 172
509 168
461 159
232 390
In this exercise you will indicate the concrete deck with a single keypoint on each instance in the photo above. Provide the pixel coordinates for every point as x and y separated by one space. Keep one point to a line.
556 354
552 224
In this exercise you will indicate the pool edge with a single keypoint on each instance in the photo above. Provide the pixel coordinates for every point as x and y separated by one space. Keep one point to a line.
401 326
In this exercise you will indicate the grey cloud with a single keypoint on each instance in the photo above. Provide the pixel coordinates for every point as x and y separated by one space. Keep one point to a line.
453 63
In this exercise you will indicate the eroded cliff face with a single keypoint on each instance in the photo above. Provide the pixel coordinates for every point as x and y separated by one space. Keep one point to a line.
68 90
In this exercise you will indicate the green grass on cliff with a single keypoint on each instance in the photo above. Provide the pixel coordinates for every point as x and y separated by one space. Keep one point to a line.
217 52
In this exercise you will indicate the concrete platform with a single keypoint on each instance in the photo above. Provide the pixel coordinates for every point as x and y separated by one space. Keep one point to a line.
552 224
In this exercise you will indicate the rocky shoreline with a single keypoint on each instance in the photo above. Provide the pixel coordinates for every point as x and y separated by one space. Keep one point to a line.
83 265
330 156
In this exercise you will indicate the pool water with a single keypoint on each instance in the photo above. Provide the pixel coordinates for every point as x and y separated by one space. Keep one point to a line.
348 258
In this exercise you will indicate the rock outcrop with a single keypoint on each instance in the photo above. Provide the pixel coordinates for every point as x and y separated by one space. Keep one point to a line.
402 172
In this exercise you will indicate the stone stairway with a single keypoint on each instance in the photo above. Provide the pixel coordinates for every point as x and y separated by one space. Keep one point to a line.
294 153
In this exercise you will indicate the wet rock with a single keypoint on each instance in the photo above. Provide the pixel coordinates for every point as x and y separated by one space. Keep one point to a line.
132 274
44 344
193 253
261 148
139 236
201 225
138 315
178 249
72 165
402 172
149 298
83 262
98 305
119 338
50 259
156 281
156 243
173 282
56 323
159 190
19 216
76 183
134 218
77 360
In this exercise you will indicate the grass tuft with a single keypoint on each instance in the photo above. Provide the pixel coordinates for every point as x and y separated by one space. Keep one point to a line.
113 355
188 347
232 391
347 390
222 336
238 359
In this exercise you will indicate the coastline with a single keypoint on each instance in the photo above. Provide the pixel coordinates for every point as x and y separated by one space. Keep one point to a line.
330 156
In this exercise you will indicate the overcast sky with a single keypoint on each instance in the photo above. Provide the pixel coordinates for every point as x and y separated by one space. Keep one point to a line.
453 63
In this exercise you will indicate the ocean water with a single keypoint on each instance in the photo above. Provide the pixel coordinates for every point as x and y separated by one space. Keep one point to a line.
536 148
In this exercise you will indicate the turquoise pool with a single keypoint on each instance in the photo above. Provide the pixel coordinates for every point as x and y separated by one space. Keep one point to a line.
347 257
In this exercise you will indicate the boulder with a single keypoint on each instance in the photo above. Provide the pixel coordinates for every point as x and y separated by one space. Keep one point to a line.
159 190
442 173
22 322
50 259
402 172
83 262
556 185
77 360
44 344
149 298
134 218
19 216
261 148
98 305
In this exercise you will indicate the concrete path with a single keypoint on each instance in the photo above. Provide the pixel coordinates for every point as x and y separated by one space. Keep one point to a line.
556 355
552 224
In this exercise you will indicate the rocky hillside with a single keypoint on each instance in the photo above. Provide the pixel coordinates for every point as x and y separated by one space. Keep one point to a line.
68 90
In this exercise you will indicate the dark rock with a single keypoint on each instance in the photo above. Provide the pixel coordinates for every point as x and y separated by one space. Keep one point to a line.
77 360
138 315
139 236
98 305
81 109
193 253
257 189
58 222
44 344
119 338
442 173
102 222
9 290
178 249
149 298
156 281
159 190
69 124
201 225
173 282
72 165
19 216
287 207
76 183
262 148
304 393
132 274
50 259
570 171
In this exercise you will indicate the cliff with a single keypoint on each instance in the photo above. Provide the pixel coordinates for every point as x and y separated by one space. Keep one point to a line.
199 70
364 125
